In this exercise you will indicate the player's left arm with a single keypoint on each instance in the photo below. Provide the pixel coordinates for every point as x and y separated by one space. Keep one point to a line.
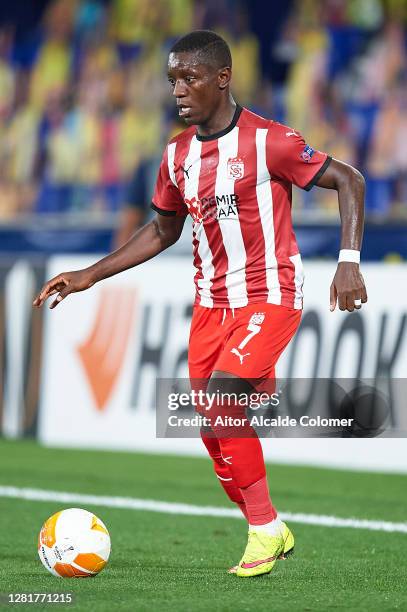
348 284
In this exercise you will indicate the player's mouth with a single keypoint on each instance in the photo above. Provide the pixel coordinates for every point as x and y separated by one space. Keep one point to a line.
184 111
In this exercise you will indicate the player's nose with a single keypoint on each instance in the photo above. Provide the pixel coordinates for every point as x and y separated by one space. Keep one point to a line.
179 90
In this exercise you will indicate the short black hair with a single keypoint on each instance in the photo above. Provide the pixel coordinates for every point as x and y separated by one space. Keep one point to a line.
212 47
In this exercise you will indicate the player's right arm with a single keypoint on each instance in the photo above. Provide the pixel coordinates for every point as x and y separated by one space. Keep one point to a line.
149 241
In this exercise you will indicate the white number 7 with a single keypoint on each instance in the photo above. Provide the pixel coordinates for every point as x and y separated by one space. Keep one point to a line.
253 329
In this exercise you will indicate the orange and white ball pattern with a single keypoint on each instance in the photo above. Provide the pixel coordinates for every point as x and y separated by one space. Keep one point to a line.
74 543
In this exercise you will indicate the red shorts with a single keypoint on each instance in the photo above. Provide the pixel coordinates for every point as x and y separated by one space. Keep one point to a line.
245 342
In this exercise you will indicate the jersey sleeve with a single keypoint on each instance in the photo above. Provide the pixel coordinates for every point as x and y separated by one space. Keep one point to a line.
167 198
290 158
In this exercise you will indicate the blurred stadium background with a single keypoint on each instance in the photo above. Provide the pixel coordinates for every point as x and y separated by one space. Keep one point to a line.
84 97
84 113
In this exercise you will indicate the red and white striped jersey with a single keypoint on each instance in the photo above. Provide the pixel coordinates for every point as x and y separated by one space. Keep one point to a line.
236 185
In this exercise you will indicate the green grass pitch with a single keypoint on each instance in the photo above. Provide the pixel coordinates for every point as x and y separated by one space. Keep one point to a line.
163 562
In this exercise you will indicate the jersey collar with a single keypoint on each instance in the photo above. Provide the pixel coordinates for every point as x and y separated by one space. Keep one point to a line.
225 131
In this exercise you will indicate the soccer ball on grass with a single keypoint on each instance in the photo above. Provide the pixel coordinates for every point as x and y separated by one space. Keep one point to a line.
74 543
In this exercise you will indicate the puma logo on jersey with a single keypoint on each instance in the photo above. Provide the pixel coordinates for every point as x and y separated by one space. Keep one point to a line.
186 170
291 133
241 357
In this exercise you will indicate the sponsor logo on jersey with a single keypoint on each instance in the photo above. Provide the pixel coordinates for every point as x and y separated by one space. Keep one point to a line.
194 207
224 206
235 168
307 153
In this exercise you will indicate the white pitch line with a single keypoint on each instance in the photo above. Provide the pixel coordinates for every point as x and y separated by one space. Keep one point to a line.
151 505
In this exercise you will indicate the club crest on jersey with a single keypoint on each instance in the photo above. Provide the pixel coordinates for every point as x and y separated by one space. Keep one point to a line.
307 153
257 318
235 168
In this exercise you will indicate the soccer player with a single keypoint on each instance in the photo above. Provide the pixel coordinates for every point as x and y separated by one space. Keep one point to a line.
233 171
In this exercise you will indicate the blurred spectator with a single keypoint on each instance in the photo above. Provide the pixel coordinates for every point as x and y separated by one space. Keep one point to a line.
245 53
83 93
387 158
52 65
136 205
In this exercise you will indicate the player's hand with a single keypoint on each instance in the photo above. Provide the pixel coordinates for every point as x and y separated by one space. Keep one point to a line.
347 287
63 285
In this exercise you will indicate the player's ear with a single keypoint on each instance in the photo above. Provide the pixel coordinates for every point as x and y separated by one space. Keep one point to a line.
224 76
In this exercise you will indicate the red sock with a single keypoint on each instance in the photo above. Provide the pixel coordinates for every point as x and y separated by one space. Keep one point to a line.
241 451
223 473
242 507
258 503
239 445
245 459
